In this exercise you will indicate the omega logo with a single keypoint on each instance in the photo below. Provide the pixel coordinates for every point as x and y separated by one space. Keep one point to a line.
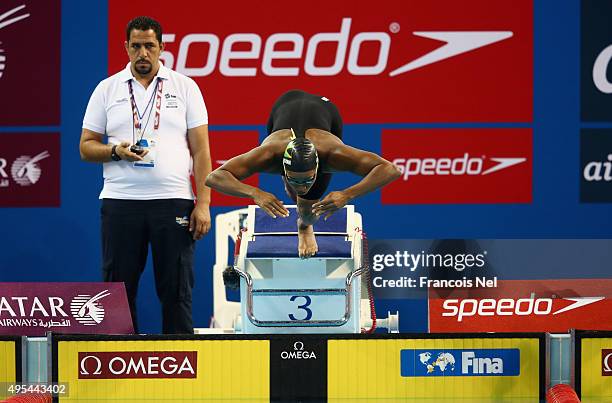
298 353
98 369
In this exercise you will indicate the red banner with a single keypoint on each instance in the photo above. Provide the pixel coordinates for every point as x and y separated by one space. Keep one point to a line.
30 170
459 165
225 145
138 364
32 309
30 80
397 61
523 306
606 362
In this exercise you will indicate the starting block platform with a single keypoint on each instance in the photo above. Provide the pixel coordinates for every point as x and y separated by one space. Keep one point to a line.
283 293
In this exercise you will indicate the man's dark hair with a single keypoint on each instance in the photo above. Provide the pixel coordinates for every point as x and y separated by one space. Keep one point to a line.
144 23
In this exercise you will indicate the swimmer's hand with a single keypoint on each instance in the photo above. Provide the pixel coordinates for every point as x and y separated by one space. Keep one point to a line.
331 203
270 204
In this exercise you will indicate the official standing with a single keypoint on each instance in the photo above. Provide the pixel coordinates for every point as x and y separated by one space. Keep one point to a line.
148 125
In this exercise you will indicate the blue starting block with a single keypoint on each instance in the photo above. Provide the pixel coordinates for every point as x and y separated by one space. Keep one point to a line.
282 293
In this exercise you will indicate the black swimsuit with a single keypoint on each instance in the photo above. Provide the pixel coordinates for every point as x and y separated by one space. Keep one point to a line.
300 111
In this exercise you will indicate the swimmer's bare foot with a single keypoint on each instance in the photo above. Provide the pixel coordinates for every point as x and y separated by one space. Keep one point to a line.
307 244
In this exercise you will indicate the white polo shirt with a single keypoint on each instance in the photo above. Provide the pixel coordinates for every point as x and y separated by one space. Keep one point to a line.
109 112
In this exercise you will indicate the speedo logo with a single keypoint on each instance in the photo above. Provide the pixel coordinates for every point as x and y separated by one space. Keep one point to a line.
461 309
465 165
264 50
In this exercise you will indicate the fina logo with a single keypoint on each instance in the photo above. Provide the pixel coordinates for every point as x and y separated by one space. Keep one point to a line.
460 362
26 171
6 23
298 353
88 310
443 361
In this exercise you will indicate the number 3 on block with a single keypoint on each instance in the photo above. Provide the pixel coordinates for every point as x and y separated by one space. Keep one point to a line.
304 307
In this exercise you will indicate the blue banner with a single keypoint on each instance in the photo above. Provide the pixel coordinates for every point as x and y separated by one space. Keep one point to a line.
465 362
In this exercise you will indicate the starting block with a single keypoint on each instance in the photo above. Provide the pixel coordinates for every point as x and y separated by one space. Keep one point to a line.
283 293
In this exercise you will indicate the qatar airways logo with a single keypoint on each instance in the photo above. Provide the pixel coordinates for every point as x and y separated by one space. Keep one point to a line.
25 311
468 307
7 19
465 165
88 310
25 170
349 45
138 364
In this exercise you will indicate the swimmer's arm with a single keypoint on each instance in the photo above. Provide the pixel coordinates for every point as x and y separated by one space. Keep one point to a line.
227 178
375 170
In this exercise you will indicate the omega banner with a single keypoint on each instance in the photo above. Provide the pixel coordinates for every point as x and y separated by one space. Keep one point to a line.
32 309
593 365
348 367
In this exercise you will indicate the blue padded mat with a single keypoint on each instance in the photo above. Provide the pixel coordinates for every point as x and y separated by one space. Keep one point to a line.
264 223
273 246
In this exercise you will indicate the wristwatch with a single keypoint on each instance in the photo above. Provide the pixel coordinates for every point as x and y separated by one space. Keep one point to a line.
114 155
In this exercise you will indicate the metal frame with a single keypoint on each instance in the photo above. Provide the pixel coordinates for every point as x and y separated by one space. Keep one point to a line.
227 316
294 323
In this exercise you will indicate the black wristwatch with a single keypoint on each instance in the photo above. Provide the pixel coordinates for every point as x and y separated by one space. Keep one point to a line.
114 155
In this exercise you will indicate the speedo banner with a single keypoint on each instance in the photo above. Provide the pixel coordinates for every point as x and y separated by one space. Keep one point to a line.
593 365
401 61
449 166
523 306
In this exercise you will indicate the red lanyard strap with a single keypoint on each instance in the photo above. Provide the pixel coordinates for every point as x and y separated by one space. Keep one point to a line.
158 102
136 116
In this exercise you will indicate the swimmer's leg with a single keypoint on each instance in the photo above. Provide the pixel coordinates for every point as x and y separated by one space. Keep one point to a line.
307 244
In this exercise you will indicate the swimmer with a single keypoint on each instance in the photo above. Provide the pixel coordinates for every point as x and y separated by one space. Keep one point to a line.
304 145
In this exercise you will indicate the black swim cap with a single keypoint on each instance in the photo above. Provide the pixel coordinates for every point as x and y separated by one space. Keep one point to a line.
300 155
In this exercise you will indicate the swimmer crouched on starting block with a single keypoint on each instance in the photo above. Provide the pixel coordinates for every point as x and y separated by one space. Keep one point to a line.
305 146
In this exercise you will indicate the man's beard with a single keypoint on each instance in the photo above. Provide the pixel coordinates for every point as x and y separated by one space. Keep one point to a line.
143 68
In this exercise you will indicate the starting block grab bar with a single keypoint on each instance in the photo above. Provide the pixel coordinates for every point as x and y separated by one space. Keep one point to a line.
291 323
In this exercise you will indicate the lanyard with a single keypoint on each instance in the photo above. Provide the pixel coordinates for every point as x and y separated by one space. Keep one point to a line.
137 116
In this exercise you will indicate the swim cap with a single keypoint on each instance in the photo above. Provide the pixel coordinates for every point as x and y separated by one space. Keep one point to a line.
300 155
